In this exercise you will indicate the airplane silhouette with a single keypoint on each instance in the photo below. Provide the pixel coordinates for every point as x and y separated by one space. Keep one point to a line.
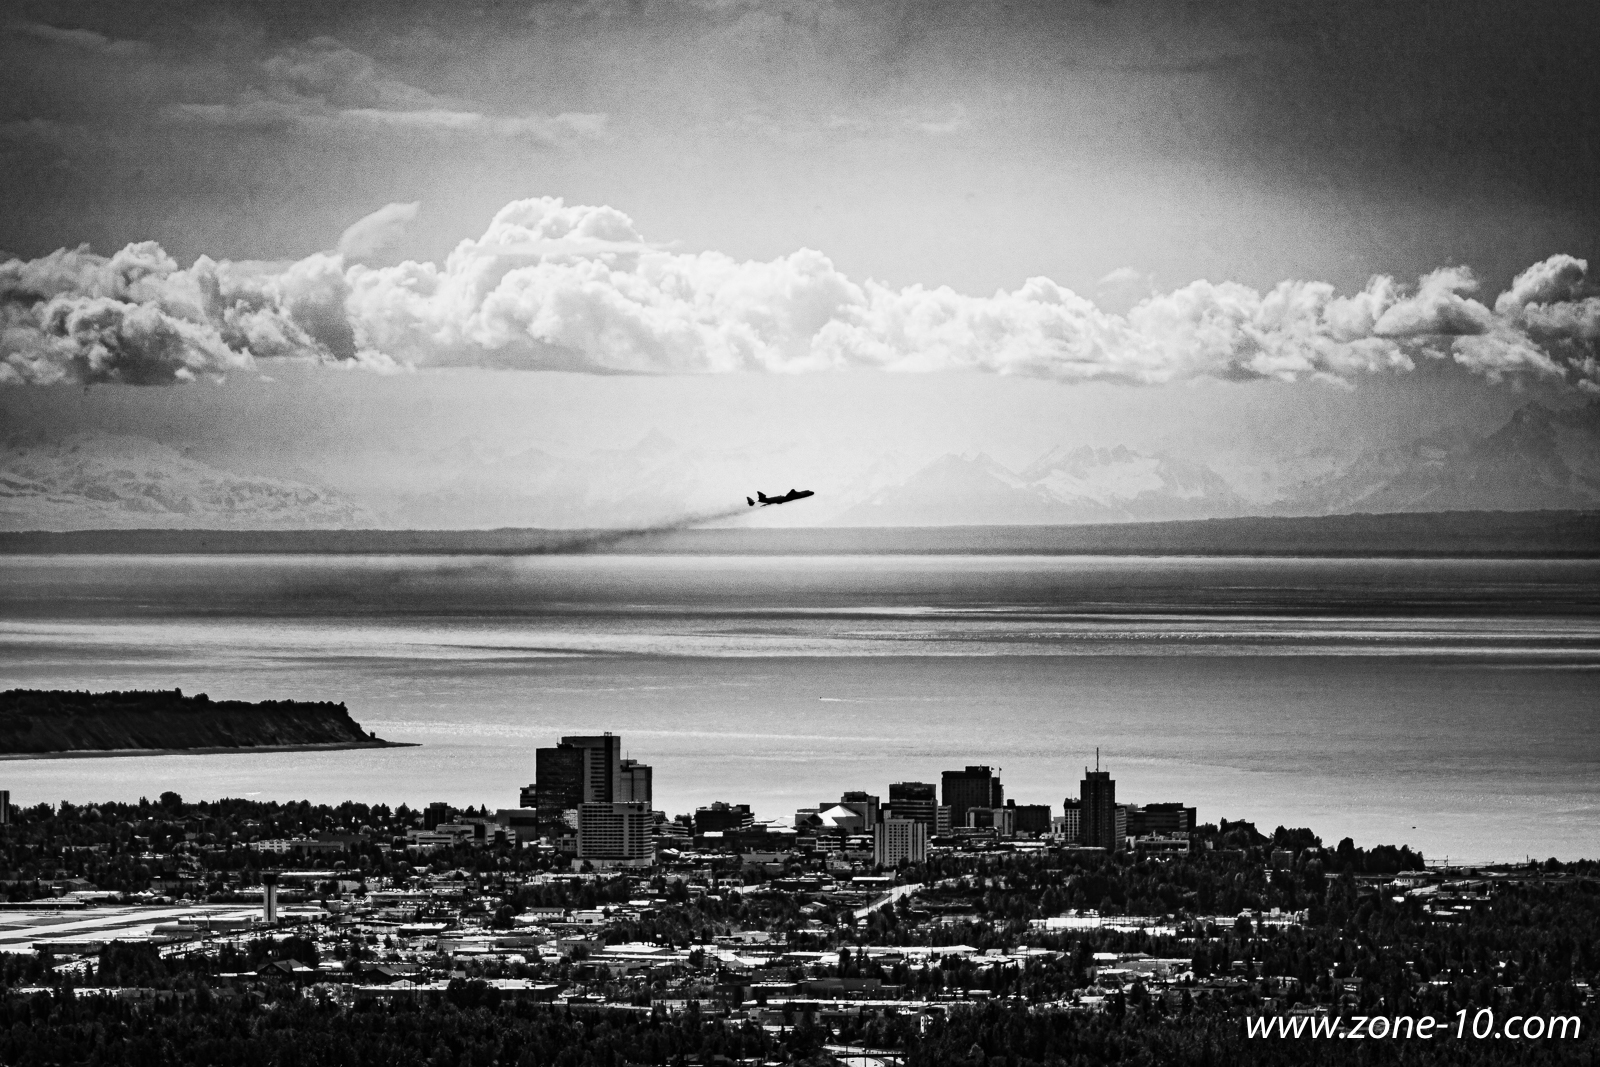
793 494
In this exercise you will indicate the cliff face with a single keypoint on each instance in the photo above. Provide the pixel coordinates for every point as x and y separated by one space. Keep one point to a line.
35 721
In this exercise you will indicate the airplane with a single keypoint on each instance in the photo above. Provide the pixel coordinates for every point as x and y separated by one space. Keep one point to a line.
793 494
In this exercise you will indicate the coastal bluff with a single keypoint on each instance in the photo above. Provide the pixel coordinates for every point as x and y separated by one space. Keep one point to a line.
46 722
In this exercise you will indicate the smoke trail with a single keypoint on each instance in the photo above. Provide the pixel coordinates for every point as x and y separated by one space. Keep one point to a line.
589 540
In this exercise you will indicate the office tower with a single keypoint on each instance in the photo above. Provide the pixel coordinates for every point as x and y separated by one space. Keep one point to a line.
1072 821
558 784
602 766
435 813
636 783
5 807
616 833
941 820
896 841
917 801
722 816
864 804
975 787
580 770
1099 796
1160 820
1030 818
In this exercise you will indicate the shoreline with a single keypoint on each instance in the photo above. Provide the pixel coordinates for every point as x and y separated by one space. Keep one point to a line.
214 750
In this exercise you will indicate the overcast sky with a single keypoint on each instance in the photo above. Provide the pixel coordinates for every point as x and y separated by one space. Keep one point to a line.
1087 162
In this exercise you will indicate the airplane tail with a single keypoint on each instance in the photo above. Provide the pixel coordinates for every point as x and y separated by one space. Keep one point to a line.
747 500
760 496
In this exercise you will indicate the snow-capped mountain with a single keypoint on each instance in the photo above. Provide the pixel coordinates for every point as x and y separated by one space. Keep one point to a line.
1540 459
1122 484
1062 486
108 481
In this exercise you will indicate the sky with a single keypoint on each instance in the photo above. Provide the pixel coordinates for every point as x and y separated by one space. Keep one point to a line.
332 239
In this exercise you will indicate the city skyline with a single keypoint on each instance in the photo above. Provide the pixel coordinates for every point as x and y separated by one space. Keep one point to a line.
583 802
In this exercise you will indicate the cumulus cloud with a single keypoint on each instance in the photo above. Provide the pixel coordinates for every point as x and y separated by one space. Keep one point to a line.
552 286
370 235
137 318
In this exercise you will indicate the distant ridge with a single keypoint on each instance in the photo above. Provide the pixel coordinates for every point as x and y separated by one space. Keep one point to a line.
41 722
1530 534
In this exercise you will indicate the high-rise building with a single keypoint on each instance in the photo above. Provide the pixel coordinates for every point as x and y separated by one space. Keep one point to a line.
579 770
1072 821
975 787
917 801
635 783
941 820
5 807
616 833
558 784
1100 812
602 766
896 841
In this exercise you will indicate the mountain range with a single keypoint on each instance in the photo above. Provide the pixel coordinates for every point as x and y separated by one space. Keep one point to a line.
111 481
1063 486
1539 459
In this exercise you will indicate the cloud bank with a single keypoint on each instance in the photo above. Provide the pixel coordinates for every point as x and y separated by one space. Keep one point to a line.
551 286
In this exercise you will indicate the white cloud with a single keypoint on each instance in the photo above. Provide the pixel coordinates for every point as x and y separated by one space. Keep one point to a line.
552 286
1438 307
1124 276
1557 280
370 235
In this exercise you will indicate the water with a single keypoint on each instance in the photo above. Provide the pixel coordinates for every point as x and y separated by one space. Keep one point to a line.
1450 705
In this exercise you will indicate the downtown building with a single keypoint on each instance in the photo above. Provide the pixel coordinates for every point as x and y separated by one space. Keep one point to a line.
864 804
1071 825
579 770
585 769
1002 820
1104 821
1030 818
721 817
896 841
616 834
1160 820
917 801
974 787
635 783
